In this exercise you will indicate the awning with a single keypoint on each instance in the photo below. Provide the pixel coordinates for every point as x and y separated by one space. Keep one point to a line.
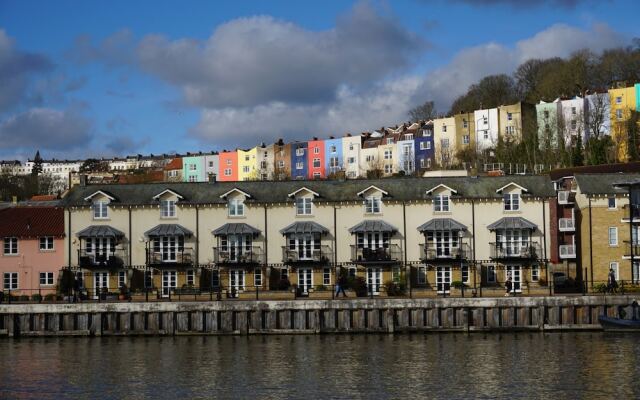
168 230
512 223
100 231
236 229
441 224
304 227
373 226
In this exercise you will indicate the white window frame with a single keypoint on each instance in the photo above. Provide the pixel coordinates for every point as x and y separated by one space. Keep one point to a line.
236 208
304 206
300 152
167 208
372 205
465 273
388 169
46 279
388 154
619 114
316 162
535 273
257 277
465 139
227 172
316 150
122 279
100 210
10 246
280 164
326 276
10 281
613 236
615 266
190 278
245 169
441 203
299 165
511 202
193 167
46 243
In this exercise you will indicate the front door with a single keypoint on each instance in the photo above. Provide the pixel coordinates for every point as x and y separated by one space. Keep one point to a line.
237 246
169 282
305 279
100 282
443 279
236 281
374 278
515 273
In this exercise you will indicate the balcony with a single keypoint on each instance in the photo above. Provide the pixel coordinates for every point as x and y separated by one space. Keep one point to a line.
515 251
390 255
567 251
565 197
110 259
630 247
567 225
432 254
170 257
635 211
307 255
251 255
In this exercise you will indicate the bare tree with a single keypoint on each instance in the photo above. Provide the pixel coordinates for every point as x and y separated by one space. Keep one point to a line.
423 112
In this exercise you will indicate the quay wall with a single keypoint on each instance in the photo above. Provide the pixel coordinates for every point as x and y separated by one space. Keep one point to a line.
310 316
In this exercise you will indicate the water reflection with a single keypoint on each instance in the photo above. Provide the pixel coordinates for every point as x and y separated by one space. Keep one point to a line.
562 366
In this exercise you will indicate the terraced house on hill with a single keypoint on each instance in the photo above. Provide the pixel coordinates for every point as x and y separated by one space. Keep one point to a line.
237 236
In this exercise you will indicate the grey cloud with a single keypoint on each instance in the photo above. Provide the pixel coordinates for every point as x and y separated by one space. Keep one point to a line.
45 128
15 69
122 144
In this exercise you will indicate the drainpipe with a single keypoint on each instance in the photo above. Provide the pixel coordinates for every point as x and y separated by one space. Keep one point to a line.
631 249
473 243
544 241
69 241
404 233
197 237
130 238
266 248
335 242
590 244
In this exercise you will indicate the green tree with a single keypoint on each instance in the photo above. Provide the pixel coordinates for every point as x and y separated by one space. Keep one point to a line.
37 164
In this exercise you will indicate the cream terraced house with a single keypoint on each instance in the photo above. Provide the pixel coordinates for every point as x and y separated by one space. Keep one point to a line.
429 233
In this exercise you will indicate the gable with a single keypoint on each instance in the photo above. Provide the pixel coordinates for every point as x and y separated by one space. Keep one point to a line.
168 194
372 191
235 193
512 187
100 195
441 189
303 192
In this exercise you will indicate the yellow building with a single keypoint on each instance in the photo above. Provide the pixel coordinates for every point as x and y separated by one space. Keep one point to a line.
445 141
465 132
248 165
623 102
515 120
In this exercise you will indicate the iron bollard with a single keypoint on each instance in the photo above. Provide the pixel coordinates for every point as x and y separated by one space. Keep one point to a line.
257 293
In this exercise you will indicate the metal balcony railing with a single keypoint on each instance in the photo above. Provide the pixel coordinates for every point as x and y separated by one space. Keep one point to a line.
91 258
238 255
503 250
632 248
303 254
431 252
567 251
170 256
567 224
390 254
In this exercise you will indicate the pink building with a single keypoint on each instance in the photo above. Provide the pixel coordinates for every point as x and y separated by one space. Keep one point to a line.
316 159
32 249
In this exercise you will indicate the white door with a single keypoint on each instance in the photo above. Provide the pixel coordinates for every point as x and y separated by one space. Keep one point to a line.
515 273
237 246
374 277
236 280
100 282
305 279
443 279
169 282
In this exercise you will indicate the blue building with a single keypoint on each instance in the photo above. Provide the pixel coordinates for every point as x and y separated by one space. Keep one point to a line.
424 148
299 161
334 159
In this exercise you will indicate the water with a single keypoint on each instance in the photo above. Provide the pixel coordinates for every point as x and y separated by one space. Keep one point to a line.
505 366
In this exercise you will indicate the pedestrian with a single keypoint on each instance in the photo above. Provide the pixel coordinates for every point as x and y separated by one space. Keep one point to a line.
508 285
612 285
340 285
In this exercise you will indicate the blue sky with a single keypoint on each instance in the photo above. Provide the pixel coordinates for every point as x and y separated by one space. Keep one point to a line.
96 78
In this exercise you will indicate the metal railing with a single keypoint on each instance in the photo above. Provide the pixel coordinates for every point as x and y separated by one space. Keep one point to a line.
307 255
632 248
91 258
238 255
177 256
531 250
390 254
567 250
567 224
430 252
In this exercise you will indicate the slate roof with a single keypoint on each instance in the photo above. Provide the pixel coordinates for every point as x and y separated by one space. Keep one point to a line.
373 226
441 224
31 222
236 229
304 227
100 231
512 223
406 188
604 183
168 230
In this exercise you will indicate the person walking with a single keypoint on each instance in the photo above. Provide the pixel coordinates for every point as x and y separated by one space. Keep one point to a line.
342 282
612 285
508 285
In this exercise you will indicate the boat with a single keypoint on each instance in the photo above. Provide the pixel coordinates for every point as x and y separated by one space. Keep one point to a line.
619 324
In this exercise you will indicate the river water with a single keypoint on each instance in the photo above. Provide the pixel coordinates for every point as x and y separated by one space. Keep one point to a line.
491 366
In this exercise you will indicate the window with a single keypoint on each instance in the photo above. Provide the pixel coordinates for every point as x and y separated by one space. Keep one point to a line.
299 152
350 146
614 267
245 169
618 99
491 274
229 162
215 279
192 167
573 111
299 165
535 273
246 158
612 202
193 178
351 174
511 202
316 175
372 205
388 154
326 276
46 243
332 149
546 114
257 277
511 130
408 136
10 246
333 162
10 280
316 162
422 163
284 273
100 210
173 174
389 140
613 236
352 272
444 143
263 165
441 203
351 160
316 150
464 272
464 123
191 277
303 205
422 276
210 164
122 279
509 116
236 207
619 114
465 139
444 128
388 169
168 208
423 145
574 125
227 172
281 164
46 278
148 279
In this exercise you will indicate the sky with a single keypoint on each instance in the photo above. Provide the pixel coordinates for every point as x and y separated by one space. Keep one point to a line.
82 79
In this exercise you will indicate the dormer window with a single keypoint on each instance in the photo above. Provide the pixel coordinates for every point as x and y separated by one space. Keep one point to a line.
303 205
511 202
100 210
167 208
236 208
441 203
372 205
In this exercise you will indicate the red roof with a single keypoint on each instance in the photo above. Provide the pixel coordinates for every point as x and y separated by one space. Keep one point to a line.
25 222
176 163
44 197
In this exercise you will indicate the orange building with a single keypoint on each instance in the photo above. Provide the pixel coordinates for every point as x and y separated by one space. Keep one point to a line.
228 166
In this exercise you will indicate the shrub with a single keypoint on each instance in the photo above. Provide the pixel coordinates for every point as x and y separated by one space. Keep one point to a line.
457 284
36 297
49 297
396 289
23 297
542 282
358 285
600 288
321 288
